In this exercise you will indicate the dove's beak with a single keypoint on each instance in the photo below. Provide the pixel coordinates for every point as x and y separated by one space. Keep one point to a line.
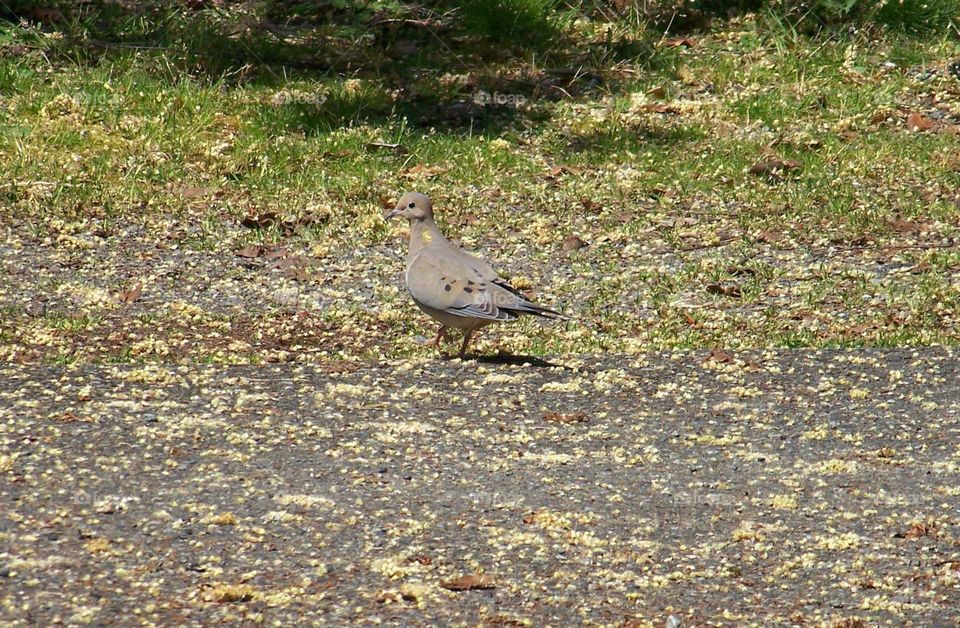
393 213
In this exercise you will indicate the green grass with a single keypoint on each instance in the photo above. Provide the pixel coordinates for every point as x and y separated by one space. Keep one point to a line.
150 150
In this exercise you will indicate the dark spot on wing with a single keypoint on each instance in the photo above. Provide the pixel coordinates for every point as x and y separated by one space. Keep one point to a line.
468 290
447 287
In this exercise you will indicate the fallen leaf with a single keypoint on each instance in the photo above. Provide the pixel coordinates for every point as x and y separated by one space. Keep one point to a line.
556 417
468 218
259 221
386 202
225 593
388 597
770 236
395 147
130 294
590 205
470 583
70 417
197 192
277 253
657 92
918 123
556 171
288 262
572 243
42 14
671 222
252 250
904 227
287 226
775 167
880 117
657 107
722 290
720 357
916 531
675 42
420 170
296 273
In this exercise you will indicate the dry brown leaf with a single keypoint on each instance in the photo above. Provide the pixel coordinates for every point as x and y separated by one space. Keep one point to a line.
556 417
71 417
400 149
259 221
289 262
421 171
720 357
296 273
130 294
675 42
770 236
197 192
657 107
657 92
572 243
287 225
556 171
916 531
277 253
468 218
43 14
917 122
726 291
250 251
470 582
880 117
775 167
590 205
904 227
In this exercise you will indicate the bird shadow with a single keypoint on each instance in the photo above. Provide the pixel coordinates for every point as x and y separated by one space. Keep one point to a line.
513 360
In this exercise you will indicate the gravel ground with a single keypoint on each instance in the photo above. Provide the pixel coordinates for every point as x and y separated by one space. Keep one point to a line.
767 488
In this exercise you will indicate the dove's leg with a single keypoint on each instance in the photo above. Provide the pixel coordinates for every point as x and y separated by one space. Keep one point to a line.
441 335
466 340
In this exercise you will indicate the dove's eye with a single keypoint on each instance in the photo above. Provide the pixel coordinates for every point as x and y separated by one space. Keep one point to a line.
412 205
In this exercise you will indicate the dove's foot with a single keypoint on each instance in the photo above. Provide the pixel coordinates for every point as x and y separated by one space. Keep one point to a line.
441 335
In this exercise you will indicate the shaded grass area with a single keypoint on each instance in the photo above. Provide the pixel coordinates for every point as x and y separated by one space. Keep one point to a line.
753 186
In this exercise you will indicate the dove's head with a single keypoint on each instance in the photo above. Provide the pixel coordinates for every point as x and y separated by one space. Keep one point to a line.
412 206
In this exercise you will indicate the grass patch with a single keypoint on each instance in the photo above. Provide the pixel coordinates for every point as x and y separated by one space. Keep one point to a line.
757 186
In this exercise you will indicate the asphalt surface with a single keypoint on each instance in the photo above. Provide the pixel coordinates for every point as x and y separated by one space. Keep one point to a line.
817 487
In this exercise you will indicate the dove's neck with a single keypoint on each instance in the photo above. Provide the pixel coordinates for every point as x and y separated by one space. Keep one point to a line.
422 233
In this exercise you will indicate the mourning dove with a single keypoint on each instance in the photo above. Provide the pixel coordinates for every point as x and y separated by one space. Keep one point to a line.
452 286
